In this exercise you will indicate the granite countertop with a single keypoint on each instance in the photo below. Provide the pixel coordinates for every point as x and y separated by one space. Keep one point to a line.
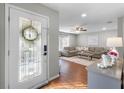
115 71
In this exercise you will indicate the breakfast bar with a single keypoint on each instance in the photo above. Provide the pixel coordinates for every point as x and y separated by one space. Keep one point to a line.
109 78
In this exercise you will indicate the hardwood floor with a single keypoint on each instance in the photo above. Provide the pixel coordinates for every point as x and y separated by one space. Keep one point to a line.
72 76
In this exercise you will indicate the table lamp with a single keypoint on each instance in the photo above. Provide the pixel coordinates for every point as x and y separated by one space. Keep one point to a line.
114 42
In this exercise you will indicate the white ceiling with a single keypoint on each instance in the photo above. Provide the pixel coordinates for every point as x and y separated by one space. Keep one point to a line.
98 14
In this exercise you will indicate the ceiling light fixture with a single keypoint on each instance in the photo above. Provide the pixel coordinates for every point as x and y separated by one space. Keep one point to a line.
104 28
84 15
79 28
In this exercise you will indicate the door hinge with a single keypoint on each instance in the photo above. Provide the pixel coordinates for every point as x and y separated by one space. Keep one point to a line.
9 18
8 86
8 52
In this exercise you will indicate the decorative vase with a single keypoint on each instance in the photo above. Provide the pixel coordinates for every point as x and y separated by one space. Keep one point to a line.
104 61
113 60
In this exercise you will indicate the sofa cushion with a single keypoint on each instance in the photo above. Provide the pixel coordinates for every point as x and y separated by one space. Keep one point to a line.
81 48
98 53
99 49
69 48
91 49
86 48
72 51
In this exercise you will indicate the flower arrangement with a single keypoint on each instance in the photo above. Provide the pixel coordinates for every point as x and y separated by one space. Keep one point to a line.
109 59
114 55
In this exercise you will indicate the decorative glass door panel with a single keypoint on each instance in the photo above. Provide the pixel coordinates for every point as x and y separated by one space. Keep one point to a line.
29 49
27 38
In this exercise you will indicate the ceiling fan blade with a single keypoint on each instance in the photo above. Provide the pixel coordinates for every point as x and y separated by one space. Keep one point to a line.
85 30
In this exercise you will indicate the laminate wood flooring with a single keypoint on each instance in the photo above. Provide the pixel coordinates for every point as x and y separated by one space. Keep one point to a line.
72 76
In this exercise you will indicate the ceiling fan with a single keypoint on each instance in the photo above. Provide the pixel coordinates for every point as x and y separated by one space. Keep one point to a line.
79 28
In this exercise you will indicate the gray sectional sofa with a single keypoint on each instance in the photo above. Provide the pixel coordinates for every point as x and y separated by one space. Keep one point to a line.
69 52
93 52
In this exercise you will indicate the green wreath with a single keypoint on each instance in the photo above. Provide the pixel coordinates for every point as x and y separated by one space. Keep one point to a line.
30 33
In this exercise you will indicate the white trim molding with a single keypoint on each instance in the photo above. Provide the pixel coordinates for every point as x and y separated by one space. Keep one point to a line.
54 77
40 85
45 82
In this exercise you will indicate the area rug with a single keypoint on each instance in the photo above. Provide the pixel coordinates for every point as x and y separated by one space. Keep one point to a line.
79 60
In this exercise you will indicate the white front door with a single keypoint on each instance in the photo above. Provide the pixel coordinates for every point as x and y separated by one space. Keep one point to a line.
28 49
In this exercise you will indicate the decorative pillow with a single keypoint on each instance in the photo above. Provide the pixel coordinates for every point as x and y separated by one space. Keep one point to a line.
91 49
81 48
85 48
82 52
69 48
78 48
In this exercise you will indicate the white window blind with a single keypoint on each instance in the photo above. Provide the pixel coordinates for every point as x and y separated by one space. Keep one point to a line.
63 42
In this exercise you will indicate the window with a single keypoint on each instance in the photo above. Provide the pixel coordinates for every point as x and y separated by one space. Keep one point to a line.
30 49
63 42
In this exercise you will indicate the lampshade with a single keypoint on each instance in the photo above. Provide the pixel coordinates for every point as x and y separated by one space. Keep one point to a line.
114 42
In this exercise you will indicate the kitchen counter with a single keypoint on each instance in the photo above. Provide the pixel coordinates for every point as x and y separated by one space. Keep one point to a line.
109 78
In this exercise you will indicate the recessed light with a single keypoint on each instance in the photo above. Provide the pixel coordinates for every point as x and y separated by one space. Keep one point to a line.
104 28
84 15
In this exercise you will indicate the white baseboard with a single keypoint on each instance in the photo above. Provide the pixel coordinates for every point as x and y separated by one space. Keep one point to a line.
45 82
54 77
40 85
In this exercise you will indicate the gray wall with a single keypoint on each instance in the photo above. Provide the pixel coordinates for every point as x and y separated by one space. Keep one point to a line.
2 47
82 39
72 40
53 37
